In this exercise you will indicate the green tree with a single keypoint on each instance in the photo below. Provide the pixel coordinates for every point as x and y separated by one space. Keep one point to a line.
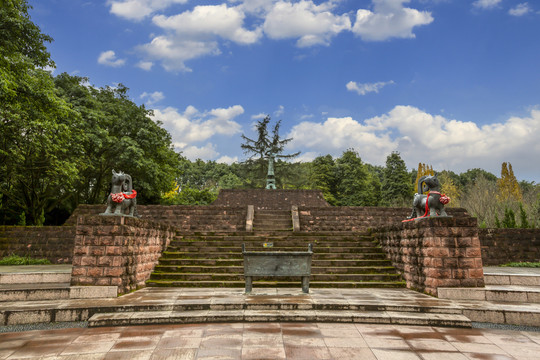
356 187
118 135
324 177
39 159
261 148
396 188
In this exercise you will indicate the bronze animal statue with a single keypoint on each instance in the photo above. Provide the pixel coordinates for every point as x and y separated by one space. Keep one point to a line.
431 204
123 198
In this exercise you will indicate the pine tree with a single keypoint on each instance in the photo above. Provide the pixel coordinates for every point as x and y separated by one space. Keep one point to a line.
396 187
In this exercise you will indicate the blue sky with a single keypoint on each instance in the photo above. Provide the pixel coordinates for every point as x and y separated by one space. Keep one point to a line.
451 83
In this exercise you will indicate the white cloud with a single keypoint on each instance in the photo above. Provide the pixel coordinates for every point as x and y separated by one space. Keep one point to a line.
259 7
258 116
486 4
108 58
173 51
210 21
363 89
312 24
192 152
389 19
520 9
280 111
145 65
153 98
139 9
420 136
191 127
227 159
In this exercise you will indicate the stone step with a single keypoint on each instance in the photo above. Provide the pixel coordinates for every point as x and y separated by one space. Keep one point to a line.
54 291
277 243
240 262
318 249
240 269
511 279
255 236
240 277
38 277
238 255
272 282
505 293
216 316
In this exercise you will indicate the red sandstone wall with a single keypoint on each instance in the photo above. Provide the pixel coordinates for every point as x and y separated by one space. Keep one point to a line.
270 199
54 243
435 252
357 218
121 251
184 218
501 246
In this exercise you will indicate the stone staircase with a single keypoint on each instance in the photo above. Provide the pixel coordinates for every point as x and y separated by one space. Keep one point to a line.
272 220
48 282
511 296
340 259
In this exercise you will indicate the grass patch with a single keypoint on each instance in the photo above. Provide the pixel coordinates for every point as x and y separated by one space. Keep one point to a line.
19 260
523 264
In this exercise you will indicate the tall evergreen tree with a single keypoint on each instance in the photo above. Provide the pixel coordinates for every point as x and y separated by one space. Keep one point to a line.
396 188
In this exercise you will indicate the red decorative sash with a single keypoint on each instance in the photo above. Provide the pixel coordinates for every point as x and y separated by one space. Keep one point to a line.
119 197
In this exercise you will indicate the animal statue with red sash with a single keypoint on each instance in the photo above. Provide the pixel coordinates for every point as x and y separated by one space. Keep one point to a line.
429 205
123 198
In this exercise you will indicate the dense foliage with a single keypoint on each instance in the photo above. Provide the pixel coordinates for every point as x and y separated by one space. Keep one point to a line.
61 138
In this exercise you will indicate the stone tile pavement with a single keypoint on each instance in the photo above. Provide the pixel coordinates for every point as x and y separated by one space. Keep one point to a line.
272 341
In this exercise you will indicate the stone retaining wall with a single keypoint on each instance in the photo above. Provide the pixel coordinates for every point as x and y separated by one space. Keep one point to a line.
501 246
270 199
120 251
54 243
183 217
435 252
357 218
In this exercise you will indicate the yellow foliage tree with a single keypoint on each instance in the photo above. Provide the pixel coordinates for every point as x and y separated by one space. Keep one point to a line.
508 185
450 189
423 170
171 194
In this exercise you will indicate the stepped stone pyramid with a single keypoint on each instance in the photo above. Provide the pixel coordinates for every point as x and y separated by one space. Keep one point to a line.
208 253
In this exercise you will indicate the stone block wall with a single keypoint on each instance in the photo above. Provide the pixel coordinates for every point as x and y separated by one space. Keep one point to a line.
435 252
185 218
54 243
357 218
119 251
270 199
501 246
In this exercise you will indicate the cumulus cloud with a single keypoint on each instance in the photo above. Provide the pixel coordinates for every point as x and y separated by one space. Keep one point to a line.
486 4
312 24
200 31
191 127
145 65
152 98
520 9
420 136
258 116
363 89
389 19
210 21
227 159
280 111
108 58
173 51
139 9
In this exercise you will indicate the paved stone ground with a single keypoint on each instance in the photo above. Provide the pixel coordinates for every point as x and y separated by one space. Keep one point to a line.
272 341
